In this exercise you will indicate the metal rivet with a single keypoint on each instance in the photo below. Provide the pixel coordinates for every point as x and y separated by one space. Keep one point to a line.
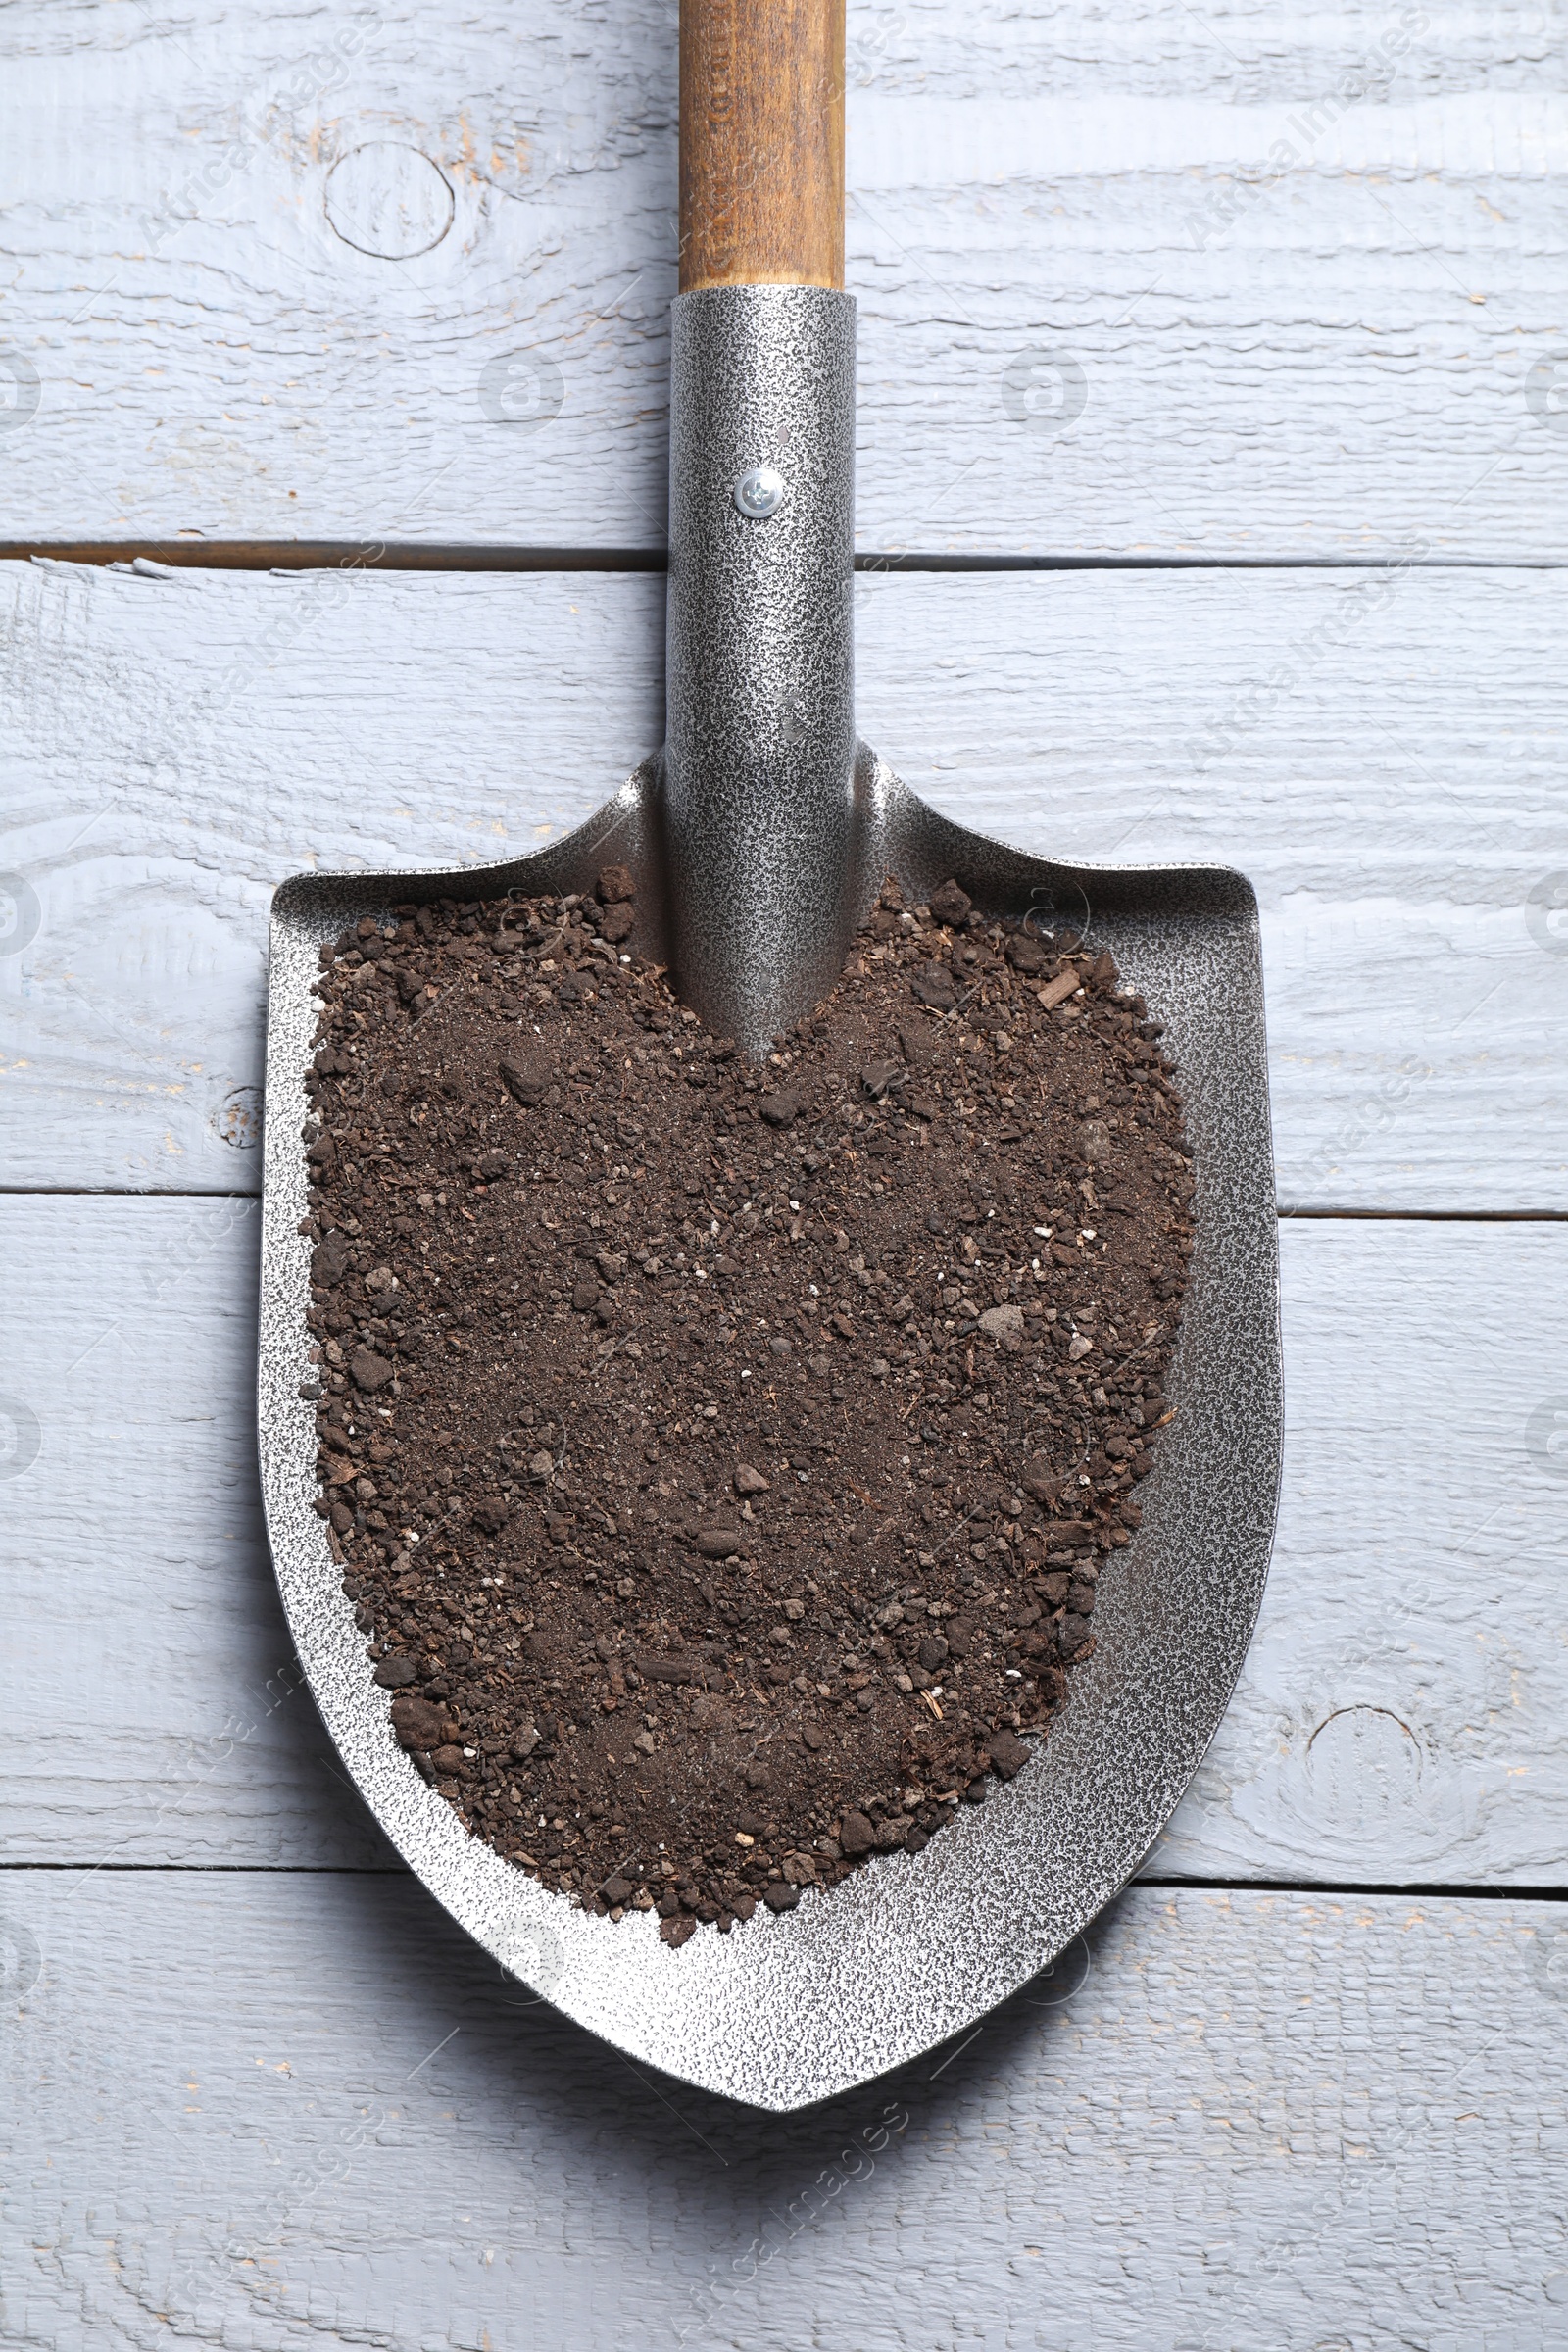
759 493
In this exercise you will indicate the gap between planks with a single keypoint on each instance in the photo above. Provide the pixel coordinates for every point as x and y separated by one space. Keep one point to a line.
1458 1891
375 555
1285 1214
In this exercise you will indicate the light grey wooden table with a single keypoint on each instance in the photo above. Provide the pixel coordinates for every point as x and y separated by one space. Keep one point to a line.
1252 326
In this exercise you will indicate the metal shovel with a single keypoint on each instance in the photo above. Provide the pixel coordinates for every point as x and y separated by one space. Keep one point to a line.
759 837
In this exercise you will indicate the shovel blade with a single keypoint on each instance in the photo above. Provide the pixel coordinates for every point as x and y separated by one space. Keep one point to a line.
786 2011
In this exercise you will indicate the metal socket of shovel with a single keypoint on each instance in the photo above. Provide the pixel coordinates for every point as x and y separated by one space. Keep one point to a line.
759 837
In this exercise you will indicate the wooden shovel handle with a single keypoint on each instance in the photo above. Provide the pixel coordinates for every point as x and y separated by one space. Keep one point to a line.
762 143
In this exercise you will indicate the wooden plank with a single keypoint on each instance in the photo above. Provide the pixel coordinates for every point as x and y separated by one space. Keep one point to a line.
1403 1717
273 2111
1382 758
1155 281
168 1708
1394 1722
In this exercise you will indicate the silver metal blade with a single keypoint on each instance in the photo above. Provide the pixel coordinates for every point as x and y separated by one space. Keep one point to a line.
784 2011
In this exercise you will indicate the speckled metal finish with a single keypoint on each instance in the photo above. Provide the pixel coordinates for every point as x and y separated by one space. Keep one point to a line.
759 660
785 2010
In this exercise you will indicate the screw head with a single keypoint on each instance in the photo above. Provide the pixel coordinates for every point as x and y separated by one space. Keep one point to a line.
759 493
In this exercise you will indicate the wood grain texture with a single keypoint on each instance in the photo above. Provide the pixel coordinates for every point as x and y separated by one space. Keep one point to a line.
1382 759
1145 281
266 2113
1403 1717
762 143
1140 281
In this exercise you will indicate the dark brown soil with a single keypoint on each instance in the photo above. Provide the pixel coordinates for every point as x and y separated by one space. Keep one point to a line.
723 1458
